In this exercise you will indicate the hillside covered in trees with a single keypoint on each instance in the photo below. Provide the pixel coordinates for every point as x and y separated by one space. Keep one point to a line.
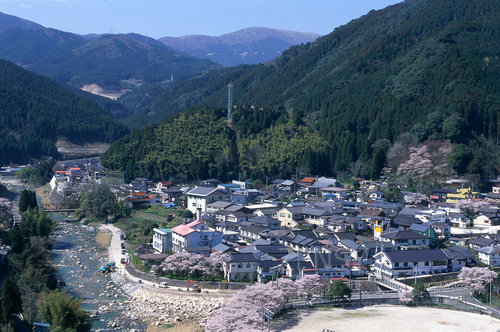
35 111
424 68
199 144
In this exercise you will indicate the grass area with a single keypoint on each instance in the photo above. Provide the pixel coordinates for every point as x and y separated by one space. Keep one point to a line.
137 230
113 177
139 226
485 298
139 263
160 211
43 192
103 238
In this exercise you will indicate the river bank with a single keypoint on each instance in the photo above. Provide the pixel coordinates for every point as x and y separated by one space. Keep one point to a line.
77 259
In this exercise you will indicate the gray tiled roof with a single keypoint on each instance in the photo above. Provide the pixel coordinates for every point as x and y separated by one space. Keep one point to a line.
320 260
404 235
243 257
397 256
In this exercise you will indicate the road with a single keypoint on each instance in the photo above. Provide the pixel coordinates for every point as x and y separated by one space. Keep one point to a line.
115 254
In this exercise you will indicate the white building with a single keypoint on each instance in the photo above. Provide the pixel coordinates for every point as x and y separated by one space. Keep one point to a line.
200 197
406 263
241 266
404 240
490 255
195 237
162 239
431 216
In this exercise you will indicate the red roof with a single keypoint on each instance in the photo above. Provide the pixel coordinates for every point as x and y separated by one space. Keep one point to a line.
74 168
344 279
62 172
185 229
308 180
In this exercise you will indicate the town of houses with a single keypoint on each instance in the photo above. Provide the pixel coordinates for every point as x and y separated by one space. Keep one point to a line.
315 226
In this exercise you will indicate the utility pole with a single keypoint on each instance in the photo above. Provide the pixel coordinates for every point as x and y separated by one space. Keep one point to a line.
491 281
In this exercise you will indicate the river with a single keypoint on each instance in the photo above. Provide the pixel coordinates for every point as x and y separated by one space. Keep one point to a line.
78 258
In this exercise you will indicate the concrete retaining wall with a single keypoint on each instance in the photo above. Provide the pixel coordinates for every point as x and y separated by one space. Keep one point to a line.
182 283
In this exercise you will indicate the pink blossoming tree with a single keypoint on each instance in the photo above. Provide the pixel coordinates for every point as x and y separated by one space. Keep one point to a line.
186 265
476 277
241 313
405 296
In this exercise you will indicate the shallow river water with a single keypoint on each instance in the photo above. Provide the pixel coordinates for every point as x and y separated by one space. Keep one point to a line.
78 258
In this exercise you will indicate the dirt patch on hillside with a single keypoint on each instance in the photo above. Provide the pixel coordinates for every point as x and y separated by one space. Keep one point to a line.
43 192
67 148
103 238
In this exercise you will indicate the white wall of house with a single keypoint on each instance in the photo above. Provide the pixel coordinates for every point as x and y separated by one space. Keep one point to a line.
489 259
240 271
162 241
383 266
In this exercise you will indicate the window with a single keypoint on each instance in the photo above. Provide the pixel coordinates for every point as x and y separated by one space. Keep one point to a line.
240 266
426 263
282 215
415 263
193 204
406 264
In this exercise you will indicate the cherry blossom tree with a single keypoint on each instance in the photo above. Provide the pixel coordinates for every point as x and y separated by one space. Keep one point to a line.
186 265
307 284
405 296
476 277
426 160
416 199
418 164
241 313
471 206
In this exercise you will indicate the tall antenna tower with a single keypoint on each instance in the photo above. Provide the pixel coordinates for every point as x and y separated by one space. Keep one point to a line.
229 101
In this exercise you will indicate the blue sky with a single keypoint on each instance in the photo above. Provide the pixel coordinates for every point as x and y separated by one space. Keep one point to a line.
160 18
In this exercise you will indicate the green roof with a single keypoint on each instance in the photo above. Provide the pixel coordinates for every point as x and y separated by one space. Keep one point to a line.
164 229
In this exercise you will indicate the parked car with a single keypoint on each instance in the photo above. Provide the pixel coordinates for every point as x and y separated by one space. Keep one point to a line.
162 284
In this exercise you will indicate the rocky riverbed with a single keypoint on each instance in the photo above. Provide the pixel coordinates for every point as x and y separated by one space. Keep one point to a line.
77 260
170 306
116 303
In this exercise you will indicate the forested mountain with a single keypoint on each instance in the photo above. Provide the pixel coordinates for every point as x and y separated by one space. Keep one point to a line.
12 22
35 111
247 46
113 62
199 144
429 68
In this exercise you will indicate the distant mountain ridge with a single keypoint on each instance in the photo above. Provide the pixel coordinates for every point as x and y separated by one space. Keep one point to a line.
116 62
12 22
246 46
